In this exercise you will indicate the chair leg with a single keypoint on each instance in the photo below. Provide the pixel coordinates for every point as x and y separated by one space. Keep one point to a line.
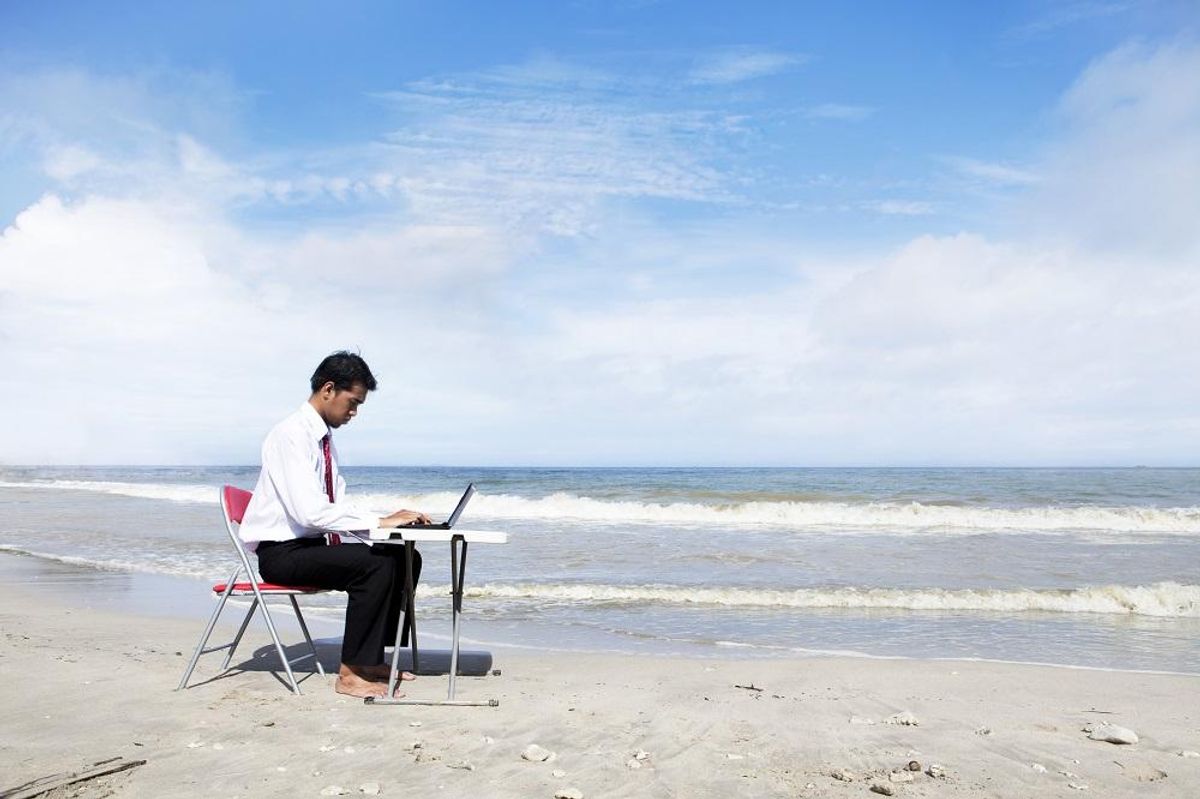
287 667
212 622
307 637
237 639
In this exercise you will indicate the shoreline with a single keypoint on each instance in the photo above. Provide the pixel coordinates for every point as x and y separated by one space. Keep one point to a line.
101 682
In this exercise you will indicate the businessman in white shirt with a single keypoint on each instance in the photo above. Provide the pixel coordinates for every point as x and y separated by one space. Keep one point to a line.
299 508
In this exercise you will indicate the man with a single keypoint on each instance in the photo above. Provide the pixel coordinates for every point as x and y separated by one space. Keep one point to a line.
300 497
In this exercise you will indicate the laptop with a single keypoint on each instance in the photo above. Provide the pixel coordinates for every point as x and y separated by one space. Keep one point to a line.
446 525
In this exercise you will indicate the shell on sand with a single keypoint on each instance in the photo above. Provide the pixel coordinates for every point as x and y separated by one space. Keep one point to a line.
536 754
904 718
1111 733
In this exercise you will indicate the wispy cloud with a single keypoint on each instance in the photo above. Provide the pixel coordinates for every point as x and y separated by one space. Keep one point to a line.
739 64
545 148
991 172
849 113
1064 14
901 207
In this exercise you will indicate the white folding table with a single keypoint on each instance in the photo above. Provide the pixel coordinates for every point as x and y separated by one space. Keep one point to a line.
458 540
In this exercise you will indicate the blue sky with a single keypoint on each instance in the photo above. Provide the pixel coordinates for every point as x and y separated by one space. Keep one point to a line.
606 232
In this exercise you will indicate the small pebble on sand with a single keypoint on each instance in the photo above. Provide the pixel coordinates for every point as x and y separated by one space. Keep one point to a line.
1038 767
568 793
633 764
536 754
900 776
641 754
462 765
333 790
842 775
883 788
984 731
558 774
414 724
936 771
369 788
1077 786
914 765
861 721
1188 753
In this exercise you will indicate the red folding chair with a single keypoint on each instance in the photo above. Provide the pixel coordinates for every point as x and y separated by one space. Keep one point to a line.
233 508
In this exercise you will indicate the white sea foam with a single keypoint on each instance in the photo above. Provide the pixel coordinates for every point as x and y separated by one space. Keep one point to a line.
1160 599
908 517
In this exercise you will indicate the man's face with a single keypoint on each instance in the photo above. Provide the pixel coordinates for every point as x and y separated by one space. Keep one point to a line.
338 406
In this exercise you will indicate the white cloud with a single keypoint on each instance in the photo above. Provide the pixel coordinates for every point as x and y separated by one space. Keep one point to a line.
734 65
1125 171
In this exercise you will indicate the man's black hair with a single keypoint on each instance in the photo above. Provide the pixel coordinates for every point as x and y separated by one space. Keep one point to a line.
343 369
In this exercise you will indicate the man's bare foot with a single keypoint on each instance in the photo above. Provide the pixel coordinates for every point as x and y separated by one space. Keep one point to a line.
384 671
356 681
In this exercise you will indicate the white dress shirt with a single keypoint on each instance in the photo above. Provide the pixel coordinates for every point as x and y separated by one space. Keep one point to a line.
289 500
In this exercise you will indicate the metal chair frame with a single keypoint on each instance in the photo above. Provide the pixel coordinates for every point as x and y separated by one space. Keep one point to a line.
233 506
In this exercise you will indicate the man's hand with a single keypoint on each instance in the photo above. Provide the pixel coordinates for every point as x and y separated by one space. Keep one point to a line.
402 518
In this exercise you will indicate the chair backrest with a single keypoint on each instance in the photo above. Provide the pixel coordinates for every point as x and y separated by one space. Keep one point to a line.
233 508
235 501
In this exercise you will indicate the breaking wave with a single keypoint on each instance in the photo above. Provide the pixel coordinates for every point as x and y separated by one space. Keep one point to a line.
1160 599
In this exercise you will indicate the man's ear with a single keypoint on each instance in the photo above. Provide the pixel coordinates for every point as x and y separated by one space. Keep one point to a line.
328 390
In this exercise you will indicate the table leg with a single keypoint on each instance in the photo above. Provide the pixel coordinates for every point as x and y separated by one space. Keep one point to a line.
458 574
406 623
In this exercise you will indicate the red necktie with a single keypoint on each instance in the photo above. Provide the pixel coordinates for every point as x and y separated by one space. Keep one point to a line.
334 538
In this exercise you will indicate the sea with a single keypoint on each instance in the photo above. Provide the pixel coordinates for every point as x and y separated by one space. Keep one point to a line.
1091 568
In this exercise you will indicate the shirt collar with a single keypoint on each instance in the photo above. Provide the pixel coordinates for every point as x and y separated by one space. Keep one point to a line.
313 422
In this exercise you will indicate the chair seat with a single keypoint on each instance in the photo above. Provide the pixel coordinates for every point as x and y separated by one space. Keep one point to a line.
266 588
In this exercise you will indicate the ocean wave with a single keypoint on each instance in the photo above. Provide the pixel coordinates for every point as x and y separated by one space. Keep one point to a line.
172 492
1165 599
198 567
866 516
904 517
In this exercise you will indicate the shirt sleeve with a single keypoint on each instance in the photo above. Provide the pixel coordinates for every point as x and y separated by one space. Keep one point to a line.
291 462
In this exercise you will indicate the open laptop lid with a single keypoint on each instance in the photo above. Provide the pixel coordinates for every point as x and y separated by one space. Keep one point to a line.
462 503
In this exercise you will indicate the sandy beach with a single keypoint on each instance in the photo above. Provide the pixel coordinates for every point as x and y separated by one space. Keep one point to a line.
89 679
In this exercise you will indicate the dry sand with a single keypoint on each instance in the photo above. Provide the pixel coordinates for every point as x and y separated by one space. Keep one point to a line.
84 682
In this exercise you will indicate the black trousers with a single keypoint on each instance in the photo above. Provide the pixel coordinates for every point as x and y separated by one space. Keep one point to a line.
371 576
